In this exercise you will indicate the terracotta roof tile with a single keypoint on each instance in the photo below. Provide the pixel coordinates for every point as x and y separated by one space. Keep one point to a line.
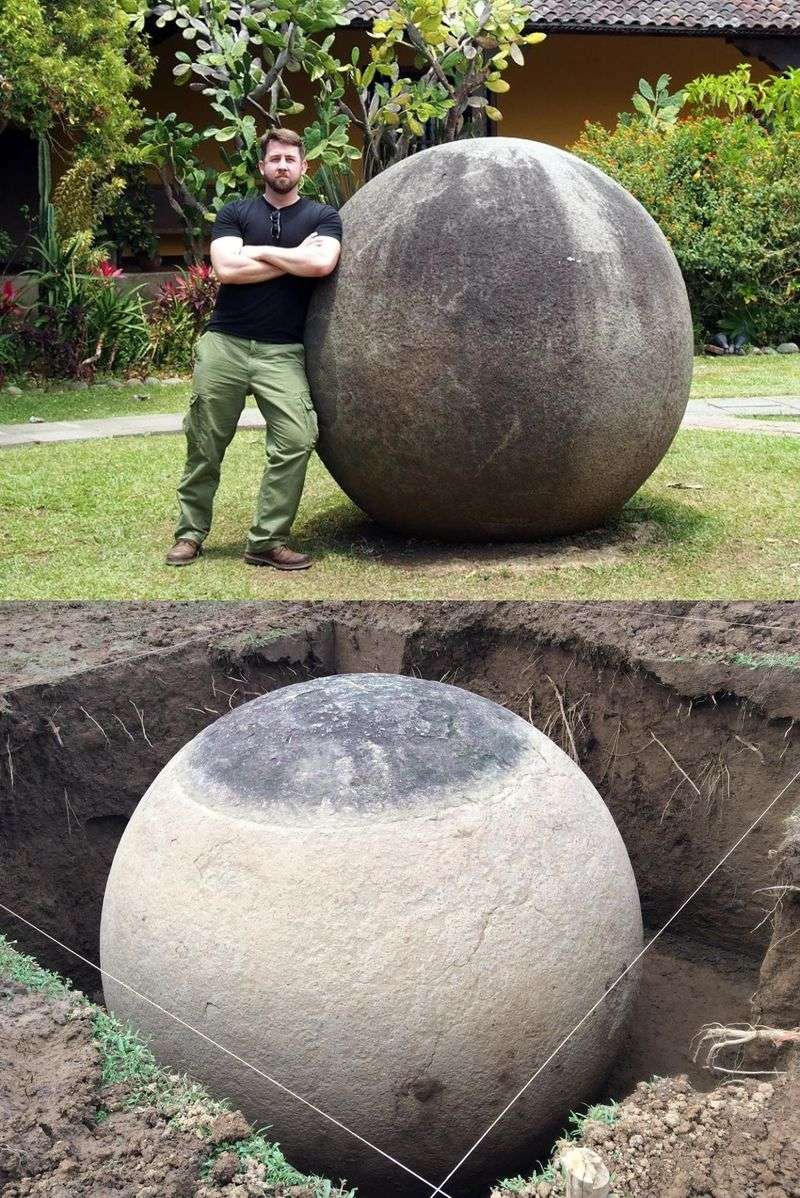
782 16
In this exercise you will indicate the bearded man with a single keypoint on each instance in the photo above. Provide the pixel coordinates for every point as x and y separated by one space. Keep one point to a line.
267 253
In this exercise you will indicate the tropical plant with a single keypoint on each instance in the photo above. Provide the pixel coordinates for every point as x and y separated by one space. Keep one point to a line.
83 197
177 315
130 224
171 146
774 102
117 327
655 107
12 331
69 69
240 57
241 54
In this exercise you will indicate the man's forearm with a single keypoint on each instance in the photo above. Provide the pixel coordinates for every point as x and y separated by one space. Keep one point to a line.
295 261
246 268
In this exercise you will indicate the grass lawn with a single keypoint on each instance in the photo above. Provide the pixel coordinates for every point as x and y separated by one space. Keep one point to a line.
92 520
713 378
771 375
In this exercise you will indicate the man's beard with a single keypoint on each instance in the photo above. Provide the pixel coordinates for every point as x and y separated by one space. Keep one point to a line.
282 184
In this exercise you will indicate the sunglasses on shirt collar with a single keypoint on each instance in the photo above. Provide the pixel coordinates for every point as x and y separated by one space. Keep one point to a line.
275 224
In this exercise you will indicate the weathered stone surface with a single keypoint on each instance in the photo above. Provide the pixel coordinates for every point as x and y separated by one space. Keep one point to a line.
395 897
505 351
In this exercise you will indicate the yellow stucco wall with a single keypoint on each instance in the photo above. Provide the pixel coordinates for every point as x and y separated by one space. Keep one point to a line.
572 78
567 80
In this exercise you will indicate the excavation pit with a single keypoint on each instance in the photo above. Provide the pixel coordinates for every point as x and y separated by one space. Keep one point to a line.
680 715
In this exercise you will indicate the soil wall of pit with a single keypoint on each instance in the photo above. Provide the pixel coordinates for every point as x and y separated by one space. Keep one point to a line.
686 752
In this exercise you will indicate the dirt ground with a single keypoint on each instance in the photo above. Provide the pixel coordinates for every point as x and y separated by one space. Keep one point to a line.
52 1144
41 641
741 1141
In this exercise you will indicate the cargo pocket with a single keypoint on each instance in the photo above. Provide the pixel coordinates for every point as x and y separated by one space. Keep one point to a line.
193 424
312 424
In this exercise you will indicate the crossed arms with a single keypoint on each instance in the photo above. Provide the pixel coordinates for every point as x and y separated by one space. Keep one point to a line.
235 262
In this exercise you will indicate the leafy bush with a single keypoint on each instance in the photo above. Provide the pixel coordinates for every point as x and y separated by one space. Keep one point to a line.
12 325
131 221
177 315
82 321
724 191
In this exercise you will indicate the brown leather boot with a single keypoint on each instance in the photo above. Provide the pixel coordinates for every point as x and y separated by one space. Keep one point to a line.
280 556
183 552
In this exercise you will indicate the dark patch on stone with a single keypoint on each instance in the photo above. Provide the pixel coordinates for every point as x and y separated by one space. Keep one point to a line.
357 743
482 372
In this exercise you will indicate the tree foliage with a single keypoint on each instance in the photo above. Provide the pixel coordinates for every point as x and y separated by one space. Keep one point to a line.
723 188
430 76
68 71
461 50
774 102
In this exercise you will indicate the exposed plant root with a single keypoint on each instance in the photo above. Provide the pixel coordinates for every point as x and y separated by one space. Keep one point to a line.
775 909
96 724
140 714
565 721
716 1039
714 774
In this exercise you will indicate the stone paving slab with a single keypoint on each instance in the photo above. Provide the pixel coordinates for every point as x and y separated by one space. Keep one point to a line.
765 405
111 426
724 414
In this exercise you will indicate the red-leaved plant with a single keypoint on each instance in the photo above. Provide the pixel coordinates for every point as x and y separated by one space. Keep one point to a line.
107 270
178 313
10 308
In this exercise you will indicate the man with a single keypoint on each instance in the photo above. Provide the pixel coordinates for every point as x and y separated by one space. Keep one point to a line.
266 253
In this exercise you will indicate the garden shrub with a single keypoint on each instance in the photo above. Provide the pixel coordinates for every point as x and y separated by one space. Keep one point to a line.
725 193
12 322
130 224
178 315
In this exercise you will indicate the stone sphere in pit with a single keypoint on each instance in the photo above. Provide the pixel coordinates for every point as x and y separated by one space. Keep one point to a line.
396 898
505 350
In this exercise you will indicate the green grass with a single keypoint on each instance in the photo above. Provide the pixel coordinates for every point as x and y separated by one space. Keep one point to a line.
777 374
126 1060
92 520
761 661
713 378
789 416
55 403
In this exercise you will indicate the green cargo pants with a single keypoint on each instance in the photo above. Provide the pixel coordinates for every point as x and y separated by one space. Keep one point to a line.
226 370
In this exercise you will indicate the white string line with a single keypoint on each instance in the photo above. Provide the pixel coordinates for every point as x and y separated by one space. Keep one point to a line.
440 1189
105 973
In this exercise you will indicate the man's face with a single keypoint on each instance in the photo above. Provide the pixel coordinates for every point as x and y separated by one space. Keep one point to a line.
282 167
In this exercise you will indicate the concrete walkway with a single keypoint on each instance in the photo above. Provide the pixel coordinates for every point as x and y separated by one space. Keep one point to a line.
724 414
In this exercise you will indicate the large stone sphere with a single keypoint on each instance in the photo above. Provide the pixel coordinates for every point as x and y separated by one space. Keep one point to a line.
505 351
394 897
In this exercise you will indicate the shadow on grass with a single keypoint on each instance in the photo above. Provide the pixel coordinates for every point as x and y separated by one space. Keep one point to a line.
646 522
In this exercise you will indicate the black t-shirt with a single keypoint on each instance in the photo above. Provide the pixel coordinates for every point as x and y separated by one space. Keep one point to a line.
273 311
